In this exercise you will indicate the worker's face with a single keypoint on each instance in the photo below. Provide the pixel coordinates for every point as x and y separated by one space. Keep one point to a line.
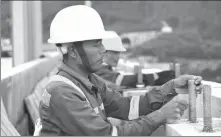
112 58
95 53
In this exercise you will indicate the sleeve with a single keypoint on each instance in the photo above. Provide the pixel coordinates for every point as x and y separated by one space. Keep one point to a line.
107 74
124 80
148 79
109 77
143 126
130 80
76 116
129 108
164 77
116 78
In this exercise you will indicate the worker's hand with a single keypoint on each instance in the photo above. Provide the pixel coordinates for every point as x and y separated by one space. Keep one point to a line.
180 84
173 110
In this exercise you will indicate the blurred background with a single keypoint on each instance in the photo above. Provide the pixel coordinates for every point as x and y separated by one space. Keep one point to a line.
187 32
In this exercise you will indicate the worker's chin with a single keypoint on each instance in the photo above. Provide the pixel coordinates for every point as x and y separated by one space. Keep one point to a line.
96 67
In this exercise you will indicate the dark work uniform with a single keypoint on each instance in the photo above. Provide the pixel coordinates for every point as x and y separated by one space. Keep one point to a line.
130 81
64 111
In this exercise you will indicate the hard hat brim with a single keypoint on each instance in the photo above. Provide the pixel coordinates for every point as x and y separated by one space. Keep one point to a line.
113 42
82 37
121 49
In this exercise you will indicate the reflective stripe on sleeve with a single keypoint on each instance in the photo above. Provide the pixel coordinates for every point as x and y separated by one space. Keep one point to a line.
38 127
119 79
155 75
114 131
102 106
134 108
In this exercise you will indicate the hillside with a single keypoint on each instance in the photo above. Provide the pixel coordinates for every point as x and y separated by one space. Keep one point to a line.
123 16
185 44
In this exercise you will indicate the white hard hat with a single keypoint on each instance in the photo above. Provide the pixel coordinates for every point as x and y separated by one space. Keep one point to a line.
113 43
76 23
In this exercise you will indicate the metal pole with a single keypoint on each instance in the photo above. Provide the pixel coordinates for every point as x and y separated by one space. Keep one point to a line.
36 24
171 66
138 71
192 101
0 30
19 31
207 116
26 31
88 3
177 70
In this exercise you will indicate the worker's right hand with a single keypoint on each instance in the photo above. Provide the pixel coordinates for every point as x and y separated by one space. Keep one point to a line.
181 83
173 110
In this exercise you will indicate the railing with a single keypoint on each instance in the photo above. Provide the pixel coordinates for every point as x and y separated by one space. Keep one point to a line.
19 83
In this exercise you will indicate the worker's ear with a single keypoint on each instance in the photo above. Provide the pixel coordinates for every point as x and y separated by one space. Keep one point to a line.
72 51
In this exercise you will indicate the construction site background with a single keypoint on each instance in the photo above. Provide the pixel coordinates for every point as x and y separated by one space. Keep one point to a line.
195 40
159 35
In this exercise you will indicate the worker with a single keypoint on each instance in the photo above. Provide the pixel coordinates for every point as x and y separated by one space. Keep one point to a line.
77 102
114 47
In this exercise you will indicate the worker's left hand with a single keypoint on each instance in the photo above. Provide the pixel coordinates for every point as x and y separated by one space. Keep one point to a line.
180 84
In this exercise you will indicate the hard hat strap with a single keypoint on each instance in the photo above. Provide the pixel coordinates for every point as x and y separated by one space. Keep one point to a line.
83 56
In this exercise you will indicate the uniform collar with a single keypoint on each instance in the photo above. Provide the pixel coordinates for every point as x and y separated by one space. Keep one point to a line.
75 75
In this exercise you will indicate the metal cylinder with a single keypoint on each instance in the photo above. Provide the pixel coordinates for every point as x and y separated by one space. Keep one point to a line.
177 70
138 71
140 76
207 116
171 65
88 3
192 101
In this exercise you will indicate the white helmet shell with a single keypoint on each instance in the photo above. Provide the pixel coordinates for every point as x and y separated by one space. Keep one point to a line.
113 43
76 23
